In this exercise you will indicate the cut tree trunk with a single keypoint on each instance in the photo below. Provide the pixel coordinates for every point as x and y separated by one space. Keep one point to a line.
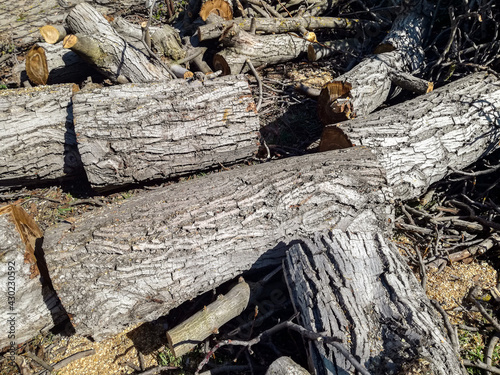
370 80
357 288
37 140
278 25
132 133
418 141
57 64
259 49
24 301
100 44
134 262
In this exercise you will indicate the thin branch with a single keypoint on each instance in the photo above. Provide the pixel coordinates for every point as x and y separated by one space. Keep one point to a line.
259 82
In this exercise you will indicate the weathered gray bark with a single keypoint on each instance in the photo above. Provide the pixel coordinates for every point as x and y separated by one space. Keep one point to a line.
356 287
37 139
278 25
370 79
114 58
418 141
24 302
171 244
132 133
259 49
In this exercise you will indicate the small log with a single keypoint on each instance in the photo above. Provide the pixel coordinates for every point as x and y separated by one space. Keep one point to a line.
286 366
185 336
53 34
259 49
369 80
173 243
357 288
24 308
36 65
170 128
410 83
419 140
221 8
56 63
97 42
167 42
317 51
37 140
278 25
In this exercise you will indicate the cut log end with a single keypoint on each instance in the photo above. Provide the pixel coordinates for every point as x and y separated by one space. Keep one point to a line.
221 8
333 138
53 34
334 104
220 63
36 66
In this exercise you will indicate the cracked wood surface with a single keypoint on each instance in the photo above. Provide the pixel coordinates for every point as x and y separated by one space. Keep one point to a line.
139 132
420 140
176 242
356 287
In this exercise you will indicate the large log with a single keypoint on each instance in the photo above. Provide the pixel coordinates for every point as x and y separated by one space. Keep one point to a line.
125 264
370 80
138 132
418 141
357 288
37 140
259 49
100 44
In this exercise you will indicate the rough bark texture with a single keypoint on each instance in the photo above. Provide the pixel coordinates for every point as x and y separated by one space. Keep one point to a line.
418 141
278 25
37 139
132 133
356 287
259 49
370 79
179 241
116 58
24 309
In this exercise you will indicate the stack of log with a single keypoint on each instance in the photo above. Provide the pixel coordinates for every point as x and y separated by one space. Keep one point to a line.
326 216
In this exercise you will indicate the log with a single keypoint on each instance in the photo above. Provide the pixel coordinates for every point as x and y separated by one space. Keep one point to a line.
317 51
24 302
279 25
140 132
96 41
285 366
259 49
57 64
193 331
357 288
37 139
418 141
370 80
135 261
53 34
221 8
